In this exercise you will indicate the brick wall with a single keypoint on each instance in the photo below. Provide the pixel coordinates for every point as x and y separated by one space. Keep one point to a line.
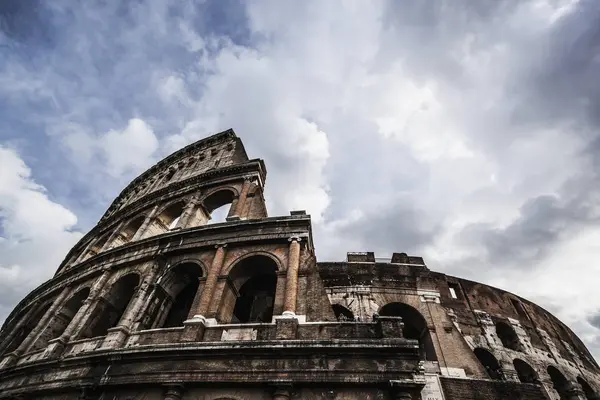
472 389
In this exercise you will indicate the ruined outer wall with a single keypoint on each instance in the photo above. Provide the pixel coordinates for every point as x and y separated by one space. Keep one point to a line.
458 326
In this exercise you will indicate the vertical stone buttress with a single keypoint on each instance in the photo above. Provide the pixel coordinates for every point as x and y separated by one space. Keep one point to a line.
291 287
187 212
239 208
211 281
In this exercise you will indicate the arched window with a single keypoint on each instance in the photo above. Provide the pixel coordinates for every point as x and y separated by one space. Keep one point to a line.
26 328
181 284
559 382
587 389
525 372
170 174
96 247
171 215
59 322
415 327
128 232
489 362
342 313
112 306
507 336
218 205
254 279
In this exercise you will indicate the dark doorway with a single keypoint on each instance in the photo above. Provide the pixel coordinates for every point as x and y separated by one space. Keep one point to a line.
415 327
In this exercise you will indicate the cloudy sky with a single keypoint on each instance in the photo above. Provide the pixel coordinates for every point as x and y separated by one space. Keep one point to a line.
468 134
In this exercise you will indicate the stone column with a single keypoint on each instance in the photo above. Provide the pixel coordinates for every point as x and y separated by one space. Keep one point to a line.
116 336
211 281
11 358
239 208
187 212
291 287
57 345
140 232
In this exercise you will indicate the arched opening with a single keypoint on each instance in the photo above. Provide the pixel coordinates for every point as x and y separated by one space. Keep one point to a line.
507 336
170 174
525 372
128 232
96 247
181 284
587 389
169 218
415 327
218 206
342 313
489 362
559 382
59 322
26 328
111 307
252 284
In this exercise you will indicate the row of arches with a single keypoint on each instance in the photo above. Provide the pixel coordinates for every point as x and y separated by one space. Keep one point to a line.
527 374
248 297
180 214
415 327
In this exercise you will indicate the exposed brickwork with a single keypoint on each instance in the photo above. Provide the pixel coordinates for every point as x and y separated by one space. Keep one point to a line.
463 389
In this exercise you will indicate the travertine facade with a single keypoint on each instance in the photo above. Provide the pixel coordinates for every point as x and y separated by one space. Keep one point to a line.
160 301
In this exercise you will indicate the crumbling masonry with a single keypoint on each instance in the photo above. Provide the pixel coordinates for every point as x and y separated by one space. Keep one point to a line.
160 301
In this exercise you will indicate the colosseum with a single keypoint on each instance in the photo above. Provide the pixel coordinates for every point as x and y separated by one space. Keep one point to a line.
163 299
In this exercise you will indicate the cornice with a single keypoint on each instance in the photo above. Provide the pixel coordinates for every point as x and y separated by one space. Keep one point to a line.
173 157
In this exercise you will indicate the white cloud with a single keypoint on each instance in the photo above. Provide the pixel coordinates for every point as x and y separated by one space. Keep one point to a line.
36 232
117 152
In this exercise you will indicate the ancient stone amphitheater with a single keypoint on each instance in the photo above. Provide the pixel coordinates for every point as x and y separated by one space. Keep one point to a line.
161 300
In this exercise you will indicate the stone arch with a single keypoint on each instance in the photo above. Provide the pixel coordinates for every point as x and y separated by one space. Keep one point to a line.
26 328
166 219
250 295
96 246
128 231
218 204
415 327
559 382
342 313
241 258
489 362
507 336
589 392
170 214
112 305
178 290
525 372
59 322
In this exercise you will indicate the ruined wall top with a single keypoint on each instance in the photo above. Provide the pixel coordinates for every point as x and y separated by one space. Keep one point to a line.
222 150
